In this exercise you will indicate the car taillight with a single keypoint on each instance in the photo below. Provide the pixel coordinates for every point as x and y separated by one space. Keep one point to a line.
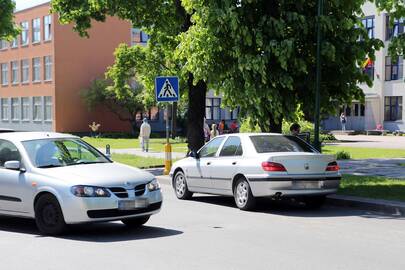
273 167
332 167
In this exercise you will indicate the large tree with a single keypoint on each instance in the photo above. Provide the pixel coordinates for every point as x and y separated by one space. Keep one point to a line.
8 29
164 21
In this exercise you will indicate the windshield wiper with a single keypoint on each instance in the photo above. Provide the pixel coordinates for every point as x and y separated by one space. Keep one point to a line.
49 166
85 162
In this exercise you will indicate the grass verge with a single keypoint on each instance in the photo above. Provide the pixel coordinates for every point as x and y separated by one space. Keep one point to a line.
373 187
363 153
136 161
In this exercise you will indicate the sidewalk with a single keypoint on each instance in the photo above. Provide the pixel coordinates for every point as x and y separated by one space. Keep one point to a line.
392 168
138 152
363 141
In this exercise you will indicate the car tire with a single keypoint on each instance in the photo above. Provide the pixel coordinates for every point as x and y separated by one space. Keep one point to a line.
315 202
136 221
48 216
180 186
242 193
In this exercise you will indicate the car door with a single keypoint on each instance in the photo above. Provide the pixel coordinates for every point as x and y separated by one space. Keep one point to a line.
12 182
198 174
226 164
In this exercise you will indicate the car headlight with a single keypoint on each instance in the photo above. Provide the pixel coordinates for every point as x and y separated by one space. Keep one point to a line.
90 191
153 185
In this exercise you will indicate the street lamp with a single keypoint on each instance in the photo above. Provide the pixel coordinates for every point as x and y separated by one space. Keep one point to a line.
317 143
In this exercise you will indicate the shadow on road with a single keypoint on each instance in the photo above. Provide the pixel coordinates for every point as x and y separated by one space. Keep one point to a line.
295 209
95 232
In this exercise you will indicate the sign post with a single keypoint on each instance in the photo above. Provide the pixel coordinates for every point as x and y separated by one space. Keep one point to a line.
167 90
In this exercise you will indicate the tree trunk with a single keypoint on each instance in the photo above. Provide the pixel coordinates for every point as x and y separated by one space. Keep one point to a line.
196 113
134 127
276 125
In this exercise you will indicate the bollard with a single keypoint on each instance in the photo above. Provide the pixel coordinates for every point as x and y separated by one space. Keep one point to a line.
108 151
168 158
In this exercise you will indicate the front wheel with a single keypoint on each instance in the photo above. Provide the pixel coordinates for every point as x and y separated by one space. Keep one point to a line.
180 186
242 193
136 221
49 216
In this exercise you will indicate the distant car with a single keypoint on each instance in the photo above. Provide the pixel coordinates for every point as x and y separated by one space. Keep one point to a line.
59 179
247 166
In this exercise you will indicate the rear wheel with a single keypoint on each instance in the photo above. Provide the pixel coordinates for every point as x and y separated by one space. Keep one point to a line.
314 202
180 186
136 221
243 195
49 216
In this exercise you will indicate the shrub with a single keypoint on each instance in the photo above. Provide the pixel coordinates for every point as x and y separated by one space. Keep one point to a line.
327 137
247 126
342 155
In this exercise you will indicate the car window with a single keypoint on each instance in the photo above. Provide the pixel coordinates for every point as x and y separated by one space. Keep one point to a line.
47 153
232 147
210 149
275 143
8 152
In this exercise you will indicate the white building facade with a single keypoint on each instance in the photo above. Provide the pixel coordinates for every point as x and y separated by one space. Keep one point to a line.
384 100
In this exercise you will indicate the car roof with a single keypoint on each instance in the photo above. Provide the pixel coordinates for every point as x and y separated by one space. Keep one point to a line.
250 134
28 136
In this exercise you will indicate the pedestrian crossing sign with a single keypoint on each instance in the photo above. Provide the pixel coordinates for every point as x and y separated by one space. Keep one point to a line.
167 89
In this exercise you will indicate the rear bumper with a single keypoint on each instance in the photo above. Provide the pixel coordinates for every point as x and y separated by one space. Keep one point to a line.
270 186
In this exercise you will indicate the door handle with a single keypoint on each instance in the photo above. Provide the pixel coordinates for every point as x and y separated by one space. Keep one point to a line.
234 163
208 163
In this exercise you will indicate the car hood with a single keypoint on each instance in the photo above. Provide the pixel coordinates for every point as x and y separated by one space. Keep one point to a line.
100 174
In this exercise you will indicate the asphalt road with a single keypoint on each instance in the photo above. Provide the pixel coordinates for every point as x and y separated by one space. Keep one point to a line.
208 232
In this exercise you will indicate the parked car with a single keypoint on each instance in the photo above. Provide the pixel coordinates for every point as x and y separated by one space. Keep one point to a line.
59 179
247 166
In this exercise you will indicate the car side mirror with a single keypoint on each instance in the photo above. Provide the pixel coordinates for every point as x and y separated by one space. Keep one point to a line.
195 155
13 165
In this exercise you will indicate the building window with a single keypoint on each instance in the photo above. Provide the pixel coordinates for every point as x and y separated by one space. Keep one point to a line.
48 27
36 67
393 108
15 109
394 30
368 24
393 71
138 36
25 109
48 109
212 108
48 68
37 108
144 37
14 72
4 109
4 74
14 43
24 33
3 44
231 114
358 109
25 70
36 30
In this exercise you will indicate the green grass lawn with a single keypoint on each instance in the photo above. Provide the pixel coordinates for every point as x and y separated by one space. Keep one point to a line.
154 144
362 153
373 187
136 161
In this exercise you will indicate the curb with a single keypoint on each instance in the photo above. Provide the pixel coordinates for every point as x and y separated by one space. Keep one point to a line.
382 206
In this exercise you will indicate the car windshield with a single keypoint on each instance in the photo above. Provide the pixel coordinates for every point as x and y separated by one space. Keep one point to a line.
48 153
275 143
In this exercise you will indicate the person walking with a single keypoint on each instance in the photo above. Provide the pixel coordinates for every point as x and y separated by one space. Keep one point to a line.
207 131
222 127
214 131
144 135
343 121
234 128
295 129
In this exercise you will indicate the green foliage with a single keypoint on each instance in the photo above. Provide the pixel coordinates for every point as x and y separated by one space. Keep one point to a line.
8 29
342 155
247 126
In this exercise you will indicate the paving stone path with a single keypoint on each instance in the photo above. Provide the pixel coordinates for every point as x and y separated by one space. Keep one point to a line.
393 168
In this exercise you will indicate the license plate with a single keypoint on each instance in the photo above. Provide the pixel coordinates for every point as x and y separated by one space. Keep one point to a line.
133 204
307 184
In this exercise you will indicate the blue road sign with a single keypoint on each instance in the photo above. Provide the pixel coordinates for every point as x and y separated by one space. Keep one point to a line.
167 89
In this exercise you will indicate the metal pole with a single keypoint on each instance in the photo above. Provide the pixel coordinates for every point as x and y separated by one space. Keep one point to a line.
317 143
168 147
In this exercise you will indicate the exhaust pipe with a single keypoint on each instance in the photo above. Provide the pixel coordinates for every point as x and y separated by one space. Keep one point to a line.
277 196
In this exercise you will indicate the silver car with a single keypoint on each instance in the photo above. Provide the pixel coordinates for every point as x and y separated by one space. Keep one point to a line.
248 166
59 179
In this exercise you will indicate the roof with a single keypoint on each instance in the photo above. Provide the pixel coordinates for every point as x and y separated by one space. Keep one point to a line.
28 136
250 134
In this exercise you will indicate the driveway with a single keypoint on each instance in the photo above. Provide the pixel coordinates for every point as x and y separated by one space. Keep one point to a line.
390 142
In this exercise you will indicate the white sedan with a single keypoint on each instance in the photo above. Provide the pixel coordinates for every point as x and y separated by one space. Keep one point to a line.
59 179
247 166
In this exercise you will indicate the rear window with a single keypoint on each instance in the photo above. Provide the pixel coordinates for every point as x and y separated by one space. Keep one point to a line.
274 143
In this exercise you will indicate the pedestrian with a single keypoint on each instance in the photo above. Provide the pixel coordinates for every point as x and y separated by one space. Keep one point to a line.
222 127
144 135
234 128
207 131
214 131
343 121
295 129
